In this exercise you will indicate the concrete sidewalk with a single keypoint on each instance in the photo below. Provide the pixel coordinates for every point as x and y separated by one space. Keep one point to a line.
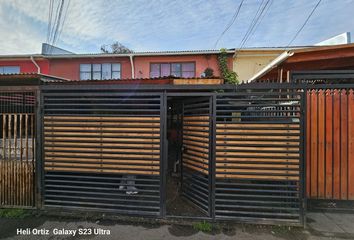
321 226
331 224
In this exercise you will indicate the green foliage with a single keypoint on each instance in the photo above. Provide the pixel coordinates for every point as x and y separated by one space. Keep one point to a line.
203 226
209 72
228 75
13 213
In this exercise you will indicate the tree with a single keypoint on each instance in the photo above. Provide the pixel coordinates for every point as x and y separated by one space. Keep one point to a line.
115 47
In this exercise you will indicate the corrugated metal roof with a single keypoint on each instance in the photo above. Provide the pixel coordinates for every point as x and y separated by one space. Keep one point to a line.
149 53
32 75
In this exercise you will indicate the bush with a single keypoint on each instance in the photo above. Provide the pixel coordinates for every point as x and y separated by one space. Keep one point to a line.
203 226
208 72
228 75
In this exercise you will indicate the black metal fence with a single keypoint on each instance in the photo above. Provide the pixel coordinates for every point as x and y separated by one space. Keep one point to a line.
17 148
103 148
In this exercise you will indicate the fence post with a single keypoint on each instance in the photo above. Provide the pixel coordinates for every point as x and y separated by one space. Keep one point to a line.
212 164
39 150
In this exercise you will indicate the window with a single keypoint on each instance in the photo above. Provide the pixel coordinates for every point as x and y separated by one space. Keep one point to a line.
9 69
96 72
185 70
100 71
85 71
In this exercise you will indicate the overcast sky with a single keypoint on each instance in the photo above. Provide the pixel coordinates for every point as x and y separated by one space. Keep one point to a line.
150 25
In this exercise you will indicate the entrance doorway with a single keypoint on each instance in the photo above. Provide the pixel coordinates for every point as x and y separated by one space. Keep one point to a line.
189 154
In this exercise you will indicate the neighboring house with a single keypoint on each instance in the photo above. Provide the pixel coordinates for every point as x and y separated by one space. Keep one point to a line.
250 61
11 64
247 62
337 57
184 64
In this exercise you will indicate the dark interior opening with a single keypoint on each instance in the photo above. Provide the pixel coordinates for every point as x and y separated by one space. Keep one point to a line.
176 203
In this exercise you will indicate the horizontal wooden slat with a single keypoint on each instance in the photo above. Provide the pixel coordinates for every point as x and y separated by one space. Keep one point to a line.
263 154
90 118
103 155
255 176
256 149
104 134
100 170
101 150
116 161
265 137
255 159
101 123
106 129
256 125
245 131
239 143
49 143
103 139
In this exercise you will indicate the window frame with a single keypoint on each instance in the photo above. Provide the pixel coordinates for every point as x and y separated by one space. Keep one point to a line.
170 63
101 76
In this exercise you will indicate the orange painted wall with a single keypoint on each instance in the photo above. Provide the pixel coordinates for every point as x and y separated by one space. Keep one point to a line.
27 66
142 64
70 68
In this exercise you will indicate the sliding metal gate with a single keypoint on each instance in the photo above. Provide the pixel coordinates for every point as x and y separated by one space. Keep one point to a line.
102 149
196 152
259 154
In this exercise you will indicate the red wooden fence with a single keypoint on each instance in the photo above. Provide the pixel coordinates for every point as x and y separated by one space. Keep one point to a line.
330 144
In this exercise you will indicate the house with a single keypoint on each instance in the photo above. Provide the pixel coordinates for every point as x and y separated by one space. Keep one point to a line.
249 61
184 64
336 57
13 64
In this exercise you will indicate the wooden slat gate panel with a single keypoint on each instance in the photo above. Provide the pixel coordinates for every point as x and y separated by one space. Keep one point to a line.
330 139
102 150
259 155
17 149
196 152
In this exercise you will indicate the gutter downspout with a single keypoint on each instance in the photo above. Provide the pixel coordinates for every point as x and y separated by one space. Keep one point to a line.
281 58
34 62
132 65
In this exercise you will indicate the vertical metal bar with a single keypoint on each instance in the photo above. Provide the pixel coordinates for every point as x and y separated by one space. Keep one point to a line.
212 164
39 171
302 194
26 137
182 146
163 153
16 169
4 136
21 144
9 136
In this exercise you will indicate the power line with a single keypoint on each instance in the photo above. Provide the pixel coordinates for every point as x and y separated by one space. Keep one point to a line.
255 20
55 19
50 12
259 22
233 19
58 22
63 22
303 25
